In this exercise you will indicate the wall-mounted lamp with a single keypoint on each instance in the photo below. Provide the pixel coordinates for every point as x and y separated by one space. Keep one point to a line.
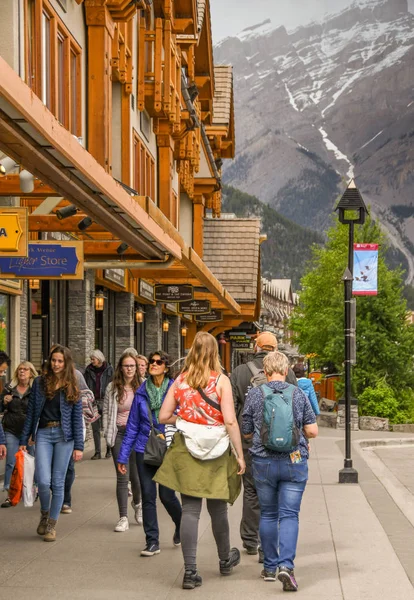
122 248
84 224
66 211
166 326
139 316
184 331
7 164
99 300
26 182
34 284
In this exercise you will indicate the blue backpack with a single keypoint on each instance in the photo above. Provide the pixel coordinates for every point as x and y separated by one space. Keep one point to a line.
279 432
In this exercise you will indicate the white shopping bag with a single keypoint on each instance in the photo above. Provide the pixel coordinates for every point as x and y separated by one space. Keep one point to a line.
28 480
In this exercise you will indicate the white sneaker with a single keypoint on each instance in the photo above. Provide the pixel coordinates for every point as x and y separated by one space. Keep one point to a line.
138 512
122 524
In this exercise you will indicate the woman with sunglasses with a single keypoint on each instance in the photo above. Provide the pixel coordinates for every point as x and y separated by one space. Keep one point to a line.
13 403
54 421
117 404
149 398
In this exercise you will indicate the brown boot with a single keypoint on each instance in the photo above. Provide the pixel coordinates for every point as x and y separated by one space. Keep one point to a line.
41 530
50 535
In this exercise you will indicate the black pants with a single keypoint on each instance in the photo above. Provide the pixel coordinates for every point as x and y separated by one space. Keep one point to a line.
122 480
149 501
96 431
249 525
70 478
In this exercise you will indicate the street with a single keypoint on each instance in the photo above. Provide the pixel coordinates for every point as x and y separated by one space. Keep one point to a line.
353 543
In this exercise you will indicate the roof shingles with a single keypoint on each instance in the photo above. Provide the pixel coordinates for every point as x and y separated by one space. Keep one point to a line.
231 251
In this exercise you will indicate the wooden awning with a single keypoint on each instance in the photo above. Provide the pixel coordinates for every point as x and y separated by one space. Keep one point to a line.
31 135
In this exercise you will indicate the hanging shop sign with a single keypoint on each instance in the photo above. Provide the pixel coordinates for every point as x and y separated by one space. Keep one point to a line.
240 341
195 307
173 293
46 260
211 317
146 290
115 275
171 307
365 274
13 231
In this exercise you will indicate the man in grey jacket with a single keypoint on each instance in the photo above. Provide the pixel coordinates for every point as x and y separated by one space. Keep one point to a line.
241 382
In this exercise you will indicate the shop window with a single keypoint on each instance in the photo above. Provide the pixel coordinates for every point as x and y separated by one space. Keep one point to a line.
4 322
53 63
144 169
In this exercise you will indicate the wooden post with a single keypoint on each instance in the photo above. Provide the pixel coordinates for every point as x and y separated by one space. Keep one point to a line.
165 167
198 225
100 34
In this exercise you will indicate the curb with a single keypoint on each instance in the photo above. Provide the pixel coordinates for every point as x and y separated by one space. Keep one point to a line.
398 492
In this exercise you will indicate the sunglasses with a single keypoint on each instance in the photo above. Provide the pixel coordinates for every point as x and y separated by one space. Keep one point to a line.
156 361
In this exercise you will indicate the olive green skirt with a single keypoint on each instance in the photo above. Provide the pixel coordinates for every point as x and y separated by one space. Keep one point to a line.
216 479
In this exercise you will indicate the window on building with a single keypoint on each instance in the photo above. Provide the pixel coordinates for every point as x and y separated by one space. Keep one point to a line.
144 169
53 63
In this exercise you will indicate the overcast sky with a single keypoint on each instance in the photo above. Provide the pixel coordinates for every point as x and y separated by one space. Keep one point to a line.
231 16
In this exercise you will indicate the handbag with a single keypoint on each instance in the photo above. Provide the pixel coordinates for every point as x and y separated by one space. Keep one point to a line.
205 442
156 446
29 493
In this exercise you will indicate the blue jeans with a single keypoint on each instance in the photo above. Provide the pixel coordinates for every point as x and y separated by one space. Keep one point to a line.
149 501
12 445
52 461
280 486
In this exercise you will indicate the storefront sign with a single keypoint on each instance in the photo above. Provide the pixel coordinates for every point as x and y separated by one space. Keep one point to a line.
146 290
46 260
172 307
13 231
211 317
173 293
240 341
195 307
115 275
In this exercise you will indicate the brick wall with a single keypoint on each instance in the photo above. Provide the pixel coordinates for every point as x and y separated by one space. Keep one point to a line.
124 322
153 328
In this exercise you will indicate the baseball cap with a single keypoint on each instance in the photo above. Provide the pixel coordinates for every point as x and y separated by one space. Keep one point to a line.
266 339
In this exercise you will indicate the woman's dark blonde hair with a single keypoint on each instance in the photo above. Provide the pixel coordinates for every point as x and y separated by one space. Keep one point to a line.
33 373
119 380
202 358
68 379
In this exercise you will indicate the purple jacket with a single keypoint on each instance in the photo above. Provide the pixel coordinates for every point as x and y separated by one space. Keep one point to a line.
138 426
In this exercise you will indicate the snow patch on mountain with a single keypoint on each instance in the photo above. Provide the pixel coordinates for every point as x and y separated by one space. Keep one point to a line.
338 154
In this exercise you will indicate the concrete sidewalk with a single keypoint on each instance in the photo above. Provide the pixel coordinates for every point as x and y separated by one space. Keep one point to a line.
345 550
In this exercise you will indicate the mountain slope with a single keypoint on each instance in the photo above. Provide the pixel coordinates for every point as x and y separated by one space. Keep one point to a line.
287 248
324 103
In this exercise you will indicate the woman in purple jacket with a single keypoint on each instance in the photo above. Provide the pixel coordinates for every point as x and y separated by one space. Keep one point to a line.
150 397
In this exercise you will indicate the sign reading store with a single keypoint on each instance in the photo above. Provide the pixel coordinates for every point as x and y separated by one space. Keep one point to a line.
46 260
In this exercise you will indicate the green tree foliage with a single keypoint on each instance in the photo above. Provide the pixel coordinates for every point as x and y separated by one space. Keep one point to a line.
287 249
385 341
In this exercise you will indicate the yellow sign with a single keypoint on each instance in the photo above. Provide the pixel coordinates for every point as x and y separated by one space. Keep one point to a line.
13 231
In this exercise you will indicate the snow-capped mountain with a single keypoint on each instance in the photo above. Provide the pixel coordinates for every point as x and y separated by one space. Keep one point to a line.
321 104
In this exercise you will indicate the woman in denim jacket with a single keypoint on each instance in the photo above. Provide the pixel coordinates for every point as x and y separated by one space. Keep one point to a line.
55 423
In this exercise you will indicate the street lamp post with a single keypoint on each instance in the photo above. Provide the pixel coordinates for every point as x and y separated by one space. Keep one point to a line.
351 211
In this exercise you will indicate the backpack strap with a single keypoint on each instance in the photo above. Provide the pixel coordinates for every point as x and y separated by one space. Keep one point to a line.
209 401
253 369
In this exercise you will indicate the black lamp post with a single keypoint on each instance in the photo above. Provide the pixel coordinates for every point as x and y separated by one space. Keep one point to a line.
351 210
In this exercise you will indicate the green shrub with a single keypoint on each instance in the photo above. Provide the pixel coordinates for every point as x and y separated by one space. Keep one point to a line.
379 401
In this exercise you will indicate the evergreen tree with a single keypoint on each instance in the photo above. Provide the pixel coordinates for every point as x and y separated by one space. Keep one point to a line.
385 340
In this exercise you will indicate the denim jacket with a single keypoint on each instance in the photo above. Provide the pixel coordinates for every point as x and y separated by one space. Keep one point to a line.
2 436
71 416
138 426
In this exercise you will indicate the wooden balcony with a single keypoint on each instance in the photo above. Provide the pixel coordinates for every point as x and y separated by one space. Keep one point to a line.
159 72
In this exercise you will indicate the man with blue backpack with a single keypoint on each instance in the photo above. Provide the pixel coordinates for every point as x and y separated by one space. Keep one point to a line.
279 420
